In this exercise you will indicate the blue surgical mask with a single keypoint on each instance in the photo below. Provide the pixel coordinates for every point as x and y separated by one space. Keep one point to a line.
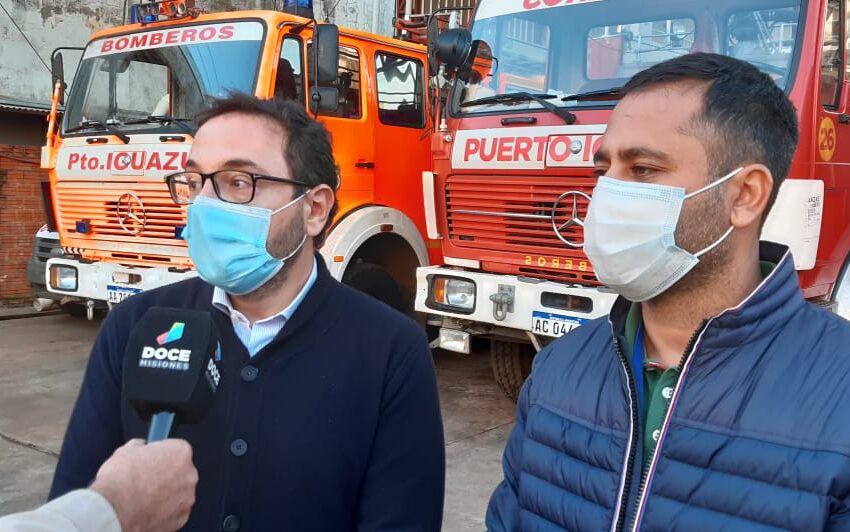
227 244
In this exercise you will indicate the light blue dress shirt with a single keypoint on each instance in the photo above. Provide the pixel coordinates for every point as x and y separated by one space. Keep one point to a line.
263 331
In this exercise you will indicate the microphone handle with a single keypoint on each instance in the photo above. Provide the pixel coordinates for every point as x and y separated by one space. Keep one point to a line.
161 424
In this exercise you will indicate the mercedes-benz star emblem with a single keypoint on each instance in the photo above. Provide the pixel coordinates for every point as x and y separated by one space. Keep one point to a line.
131 213
576 146
560 223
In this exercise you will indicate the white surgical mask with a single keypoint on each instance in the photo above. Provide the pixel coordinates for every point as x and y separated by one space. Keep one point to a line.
629 236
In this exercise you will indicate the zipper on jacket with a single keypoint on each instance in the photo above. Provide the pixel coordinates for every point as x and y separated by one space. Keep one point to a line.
644 478
635 433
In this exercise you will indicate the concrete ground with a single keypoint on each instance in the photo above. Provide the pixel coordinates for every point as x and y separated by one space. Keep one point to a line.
41 365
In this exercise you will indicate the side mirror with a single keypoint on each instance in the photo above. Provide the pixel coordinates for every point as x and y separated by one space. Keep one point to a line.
433 33
57 70
480 63
324 99
326 40
454 47
122 65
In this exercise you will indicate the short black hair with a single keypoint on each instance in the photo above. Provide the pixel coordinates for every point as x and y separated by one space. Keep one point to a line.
746 118
307 144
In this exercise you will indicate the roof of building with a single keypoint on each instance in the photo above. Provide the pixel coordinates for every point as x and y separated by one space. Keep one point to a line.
23 106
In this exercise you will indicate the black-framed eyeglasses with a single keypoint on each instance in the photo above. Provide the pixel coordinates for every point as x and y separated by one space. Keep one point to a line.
232 186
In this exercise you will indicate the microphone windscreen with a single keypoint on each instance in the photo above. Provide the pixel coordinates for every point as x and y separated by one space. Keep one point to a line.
171 363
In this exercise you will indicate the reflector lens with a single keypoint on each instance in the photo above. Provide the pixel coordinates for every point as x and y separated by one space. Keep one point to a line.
63 278
453 293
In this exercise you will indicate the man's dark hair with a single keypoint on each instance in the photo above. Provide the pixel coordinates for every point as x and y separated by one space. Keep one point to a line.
746 118
307 144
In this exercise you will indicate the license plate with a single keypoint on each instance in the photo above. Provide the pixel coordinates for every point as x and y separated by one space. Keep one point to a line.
549 324
117 294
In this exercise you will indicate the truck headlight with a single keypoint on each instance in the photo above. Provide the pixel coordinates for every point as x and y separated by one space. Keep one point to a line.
452 294
63 278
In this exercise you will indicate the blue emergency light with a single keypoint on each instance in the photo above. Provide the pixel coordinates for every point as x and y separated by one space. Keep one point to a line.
135 18
299 8
83 226
149 12
143 13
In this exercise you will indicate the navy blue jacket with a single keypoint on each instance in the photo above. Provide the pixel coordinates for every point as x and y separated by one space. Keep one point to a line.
757 436
341 418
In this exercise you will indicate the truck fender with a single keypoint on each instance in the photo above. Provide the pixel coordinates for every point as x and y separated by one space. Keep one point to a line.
346 237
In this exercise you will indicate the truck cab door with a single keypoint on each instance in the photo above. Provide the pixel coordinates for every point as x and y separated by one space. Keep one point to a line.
831 152
402 147
351 129
832 94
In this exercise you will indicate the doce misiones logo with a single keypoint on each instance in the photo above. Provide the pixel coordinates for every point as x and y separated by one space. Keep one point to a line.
163 357
172 335
213 375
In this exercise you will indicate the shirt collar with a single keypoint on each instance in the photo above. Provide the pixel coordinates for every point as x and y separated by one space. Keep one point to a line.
221 300
634 319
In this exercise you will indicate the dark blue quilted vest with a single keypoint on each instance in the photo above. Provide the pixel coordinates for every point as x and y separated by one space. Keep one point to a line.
757 436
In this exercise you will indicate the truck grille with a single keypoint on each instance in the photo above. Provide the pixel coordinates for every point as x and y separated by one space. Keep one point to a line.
45 248
99 203
508 220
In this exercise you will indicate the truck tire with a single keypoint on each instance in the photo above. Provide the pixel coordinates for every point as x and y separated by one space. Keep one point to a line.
511 363
76 310
375 281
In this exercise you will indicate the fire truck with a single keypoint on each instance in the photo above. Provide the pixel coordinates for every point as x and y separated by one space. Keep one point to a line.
127 123
526 97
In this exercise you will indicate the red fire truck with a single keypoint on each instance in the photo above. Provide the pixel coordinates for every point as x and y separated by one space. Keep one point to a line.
528 93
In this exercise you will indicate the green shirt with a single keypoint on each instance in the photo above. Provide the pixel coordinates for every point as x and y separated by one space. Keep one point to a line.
658 385
658 382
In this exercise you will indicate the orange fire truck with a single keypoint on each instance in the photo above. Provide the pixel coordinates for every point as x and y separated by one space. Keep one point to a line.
127 123
529 92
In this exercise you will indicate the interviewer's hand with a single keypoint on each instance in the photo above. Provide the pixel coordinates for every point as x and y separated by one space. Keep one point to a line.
151 487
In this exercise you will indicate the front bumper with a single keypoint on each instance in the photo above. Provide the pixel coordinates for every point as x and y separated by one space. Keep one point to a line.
528 297
93 278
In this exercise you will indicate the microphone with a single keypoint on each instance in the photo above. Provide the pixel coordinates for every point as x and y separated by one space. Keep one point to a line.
171 368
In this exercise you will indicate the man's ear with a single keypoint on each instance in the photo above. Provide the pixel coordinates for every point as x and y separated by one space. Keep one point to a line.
319 202
750 192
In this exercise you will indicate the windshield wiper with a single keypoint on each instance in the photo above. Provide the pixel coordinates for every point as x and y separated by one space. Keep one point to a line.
561 112
614 93
94 124
165 120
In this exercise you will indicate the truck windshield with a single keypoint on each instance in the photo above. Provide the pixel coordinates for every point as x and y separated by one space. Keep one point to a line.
142 80
568 48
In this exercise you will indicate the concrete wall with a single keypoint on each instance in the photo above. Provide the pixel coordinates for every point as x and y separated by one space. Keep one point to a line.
48 24
369 15
25 74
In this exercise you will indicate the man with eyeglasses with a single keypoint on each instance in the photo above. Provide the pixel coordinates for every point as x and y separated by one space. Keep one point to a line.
327 416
